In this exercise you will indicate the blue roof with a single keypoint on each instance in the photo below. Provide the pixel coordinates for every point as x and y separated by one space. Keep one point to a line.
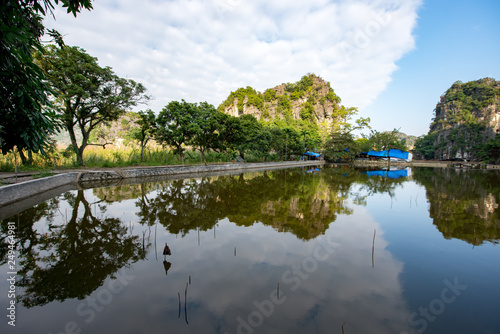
312 154
393 153
392 174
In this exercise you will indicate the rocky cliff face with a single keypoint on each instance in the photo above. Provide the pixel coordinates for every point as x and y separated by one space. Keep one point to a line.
468 114
311 98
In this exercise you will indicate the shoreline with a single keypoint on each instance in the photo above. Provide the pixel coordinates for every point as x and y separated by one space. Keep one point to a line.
83 179
19 196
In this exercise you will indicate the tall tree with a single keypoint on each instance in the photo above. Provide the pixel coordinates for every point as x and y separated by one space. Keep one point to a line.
87 94
175 125
146 121
341 145
26 123
206 129
250 131
286 140
387 140
230 131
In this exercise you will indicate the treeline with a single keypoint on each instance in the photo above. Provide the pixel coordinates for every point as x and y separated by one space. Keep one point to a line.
182 124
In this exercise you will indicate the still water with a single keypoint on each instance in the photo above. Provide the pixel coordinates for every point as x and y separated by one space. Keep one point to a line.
324 250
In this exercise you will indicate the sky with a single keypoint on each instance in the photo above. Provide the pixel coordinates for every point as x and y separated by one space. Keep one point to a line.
391 59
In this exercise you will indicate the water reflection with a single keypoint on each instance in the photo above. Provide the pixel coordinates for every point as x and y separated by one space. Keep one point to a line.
226 268
70 259
290 201
464 204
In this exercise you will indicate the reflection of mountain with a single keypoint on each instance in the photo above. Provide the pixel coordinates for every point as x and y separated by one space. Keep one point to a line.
70 260
120 193
288 200
306 216
464 204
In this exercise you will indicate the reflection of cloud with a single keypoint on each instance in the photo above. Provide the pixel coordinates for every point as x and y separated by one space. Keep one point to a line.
344 288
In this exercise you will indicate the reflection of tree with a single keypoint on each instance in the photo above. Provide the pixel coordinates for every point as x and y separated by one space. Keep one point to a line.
123 192
289 200
25 235
185 205
72 260
379 185
464 204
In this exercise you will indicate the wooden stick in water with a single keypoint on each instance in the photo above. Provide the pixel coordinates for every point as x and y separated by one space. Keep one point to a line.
179 294
373 247
185 303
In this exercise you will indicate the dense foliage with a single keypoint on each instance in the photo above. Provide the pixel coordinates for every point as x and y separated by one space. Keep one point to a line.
86 93
463 204
24 96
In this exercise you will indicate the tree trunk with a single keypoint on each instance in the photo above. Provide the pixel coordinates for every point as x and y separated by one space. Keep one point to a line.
79 156
143 146
202 151
30 157
72 136
181 154
85 140
24 161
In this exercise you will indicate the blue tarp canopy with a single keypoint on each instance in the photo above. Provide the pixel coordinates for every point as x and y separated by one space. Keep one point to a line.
392 153
312 154
392 174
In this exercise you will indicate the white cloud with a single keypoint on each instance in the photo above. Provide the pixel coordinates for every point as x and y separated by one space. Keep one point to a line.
200 50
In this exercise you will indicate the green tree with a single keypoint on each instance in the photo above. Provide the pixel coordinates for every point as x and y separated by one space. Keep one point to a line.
250 131
341 146
387 140
206 128
176 125
490 151
309 135
260 142
424 146
146 121
342 120
364 144
87 94
230 132
26 123
286 140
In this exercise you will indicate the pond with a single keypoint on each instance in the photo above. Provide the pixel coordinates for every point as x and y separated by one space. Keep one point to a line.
302 250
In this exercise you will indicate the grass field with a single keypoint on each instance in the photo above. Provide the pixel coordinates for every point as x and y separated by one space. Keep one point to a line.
95 156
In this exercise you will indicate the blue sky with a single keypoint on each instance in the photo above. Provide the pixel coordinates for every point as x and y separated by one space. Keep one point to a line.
455 40
390 58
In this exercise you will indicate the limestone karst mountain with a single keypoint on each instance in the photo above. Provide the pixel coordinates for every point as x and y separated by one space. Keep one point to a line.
310 99
466 117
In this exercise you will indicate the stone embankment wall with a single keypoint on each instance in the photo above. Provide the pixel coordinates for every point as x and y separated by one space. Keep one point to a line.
36 188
